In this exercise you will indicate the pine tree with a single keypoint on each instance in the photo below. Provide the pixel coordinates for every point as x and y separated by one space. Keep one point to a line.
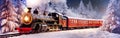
91 13
8 16
112 17
89 6
59 6
81 7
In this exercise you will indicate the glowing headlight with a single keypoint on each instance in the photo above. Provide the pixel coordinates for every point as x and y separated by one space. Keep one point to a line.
26 10
26 18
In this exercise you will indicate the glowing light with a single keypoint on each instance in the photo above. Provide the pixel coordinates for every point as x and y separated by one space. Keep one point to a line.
26 10
26 18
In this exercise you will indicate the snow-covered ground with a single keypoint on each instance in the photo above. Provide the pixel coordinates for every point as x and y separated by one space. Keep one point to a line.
78 33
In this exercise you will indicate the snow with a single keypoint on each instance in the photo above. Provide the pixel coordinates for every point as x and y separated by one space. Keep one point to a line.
84 18
78 33
9 33
3 21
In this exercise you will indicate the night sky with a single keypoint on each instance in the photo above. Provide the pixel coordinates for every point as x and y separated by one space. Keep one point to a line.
101 4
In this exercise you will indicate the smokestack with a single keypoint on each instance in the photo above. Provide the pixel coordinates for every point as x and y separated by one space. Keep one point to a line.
29 10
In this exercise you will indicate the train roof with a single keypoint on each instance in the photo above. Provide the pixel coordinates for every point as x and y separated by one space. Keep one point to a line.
83 18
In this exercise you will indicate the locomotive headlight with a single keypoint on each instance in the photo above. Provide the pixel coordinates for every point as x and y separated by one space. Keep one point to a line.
26 18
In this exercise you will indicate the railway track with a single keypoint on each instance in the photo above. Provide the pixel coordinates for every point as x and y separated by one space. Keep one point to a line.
12 34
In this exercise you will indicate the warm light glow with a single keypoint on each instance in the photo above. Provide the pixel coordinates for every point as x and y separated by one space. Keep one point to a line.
26 10
26 18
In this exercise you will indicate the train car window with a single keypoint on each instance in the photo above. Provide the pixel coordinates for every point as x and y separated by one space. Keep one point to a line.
75 21
72 21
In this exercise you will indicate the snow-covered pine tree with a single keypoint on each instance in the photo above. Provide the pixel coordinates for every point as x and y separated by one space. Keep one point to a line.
90 12
112 17
89 6
19 6
81 9
20 10
59 6
8 17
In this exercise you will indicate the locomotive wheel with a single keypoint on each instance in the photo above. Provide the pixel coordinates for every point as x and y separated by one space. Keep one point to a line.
36 27
54 28
39 28
44 28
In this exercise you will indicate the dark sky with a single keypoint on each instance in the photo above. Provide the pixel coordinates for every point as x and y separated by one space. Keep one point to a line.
101 4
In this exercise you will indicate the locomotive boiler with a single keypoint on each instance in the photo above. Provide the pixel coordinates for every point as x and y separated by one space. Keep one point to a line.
31 21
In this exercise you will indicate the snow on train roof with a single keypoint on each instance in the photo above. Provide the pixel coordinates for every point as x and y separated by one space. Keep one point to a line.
83 18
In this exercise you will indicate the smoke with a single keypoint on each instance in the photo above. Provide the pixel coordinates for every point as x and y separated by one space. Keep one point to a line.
36 3
60 6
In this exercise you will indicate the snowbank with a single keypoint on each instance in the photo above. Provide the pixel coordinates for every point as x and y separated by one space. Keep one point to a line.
79 33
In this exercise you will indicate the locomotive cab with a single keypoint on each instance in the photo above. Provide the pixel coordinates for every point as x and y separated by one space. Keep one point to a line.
55 16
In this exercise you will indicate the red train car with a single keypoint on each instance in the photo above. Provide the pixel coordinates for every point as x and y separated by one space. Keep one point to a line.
72 22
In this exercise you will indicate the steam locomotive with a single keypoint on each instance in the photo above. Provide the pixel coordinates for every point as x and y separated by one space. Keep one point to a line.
53 22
